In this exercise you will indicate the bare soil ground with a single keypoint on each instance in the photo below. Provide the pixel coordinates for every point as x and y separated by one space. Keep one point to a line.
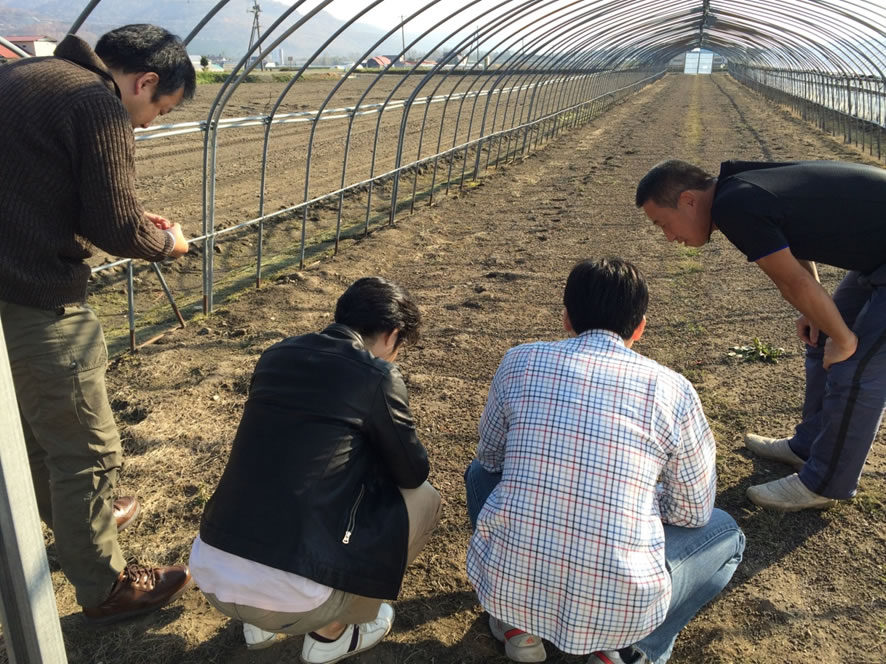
488 269
171 175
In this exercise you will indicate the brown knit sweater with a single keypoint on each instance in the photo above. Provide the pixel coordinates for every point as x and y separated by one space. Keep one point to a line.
67 172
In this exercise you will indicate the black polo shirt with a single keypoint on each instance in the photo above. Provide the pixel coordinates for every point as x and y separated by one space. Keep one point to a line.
831 212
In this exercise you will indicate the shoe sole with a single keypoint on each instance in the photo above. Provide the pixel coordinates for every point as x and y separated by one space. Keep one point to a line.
261 645
120 617
123 526
351 654
781 507
763 453
514 653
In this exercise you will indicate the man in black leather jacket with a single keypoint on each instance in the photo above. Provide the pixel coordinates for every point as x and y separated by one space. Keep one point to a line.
325 499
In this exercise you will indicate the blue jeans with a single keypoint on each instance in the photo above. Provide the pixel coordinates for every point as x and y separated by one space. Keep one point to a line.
844 406
700 560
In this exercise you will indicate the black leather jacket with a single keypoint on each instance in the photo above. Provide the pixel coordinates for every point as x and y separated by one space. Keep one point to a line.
311 486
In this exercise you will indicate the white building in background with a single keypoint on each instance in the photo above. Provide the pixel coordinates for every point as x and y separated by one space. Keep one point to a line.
212 66
34 44
699 61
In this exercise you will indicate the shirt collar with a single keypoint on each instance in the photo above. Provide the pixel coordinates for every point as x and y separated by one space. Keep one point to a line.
73 49
340 331
601 338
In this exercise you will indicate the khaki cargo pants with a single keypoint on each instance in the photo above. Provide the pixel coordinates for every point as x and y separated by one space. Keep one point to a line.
423 510
58 359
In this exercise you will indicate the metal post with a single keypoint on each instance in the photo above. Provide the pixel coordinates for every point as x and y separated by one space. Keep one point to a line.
130 299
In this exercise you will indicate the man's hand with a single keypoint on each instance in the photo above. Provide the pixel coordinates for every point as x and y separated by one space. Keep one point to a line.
160 222
807 331
837 352
181 244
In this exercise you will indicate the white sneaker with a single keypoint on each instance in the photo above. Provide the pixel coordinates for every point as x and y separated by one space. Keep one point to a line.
788 494
777 449
257 638
520 646
354 640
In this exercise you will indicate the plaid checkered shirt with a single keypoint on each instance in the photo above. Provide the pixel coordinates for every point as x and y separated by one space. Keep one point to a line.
597 446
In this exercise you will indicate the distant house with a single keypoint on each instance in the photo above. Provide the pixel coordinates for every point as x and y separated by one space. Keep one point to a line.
423 64
7 55
195 60
454 59
377 62
34 44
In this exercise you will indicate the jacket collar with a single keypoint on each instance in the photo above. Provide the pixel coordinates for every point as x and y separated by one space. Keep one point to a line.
73 49
340 331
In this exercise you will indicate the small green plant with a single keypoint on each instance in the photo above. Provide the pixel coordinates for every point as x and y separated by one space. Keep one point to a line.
689 266
758 351
869 504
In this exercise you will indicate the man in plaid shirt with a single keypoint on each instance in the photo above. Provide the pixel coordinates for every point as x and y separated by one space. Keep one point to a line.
592 494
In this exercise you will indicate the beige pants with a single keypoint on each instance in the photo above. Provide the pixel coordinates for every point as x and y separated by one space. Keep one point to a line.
423 508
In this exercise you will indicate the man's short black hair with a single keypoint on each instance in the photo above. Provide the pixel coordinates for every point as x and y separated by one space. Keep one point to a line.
141 47
608 294
374 305
664 183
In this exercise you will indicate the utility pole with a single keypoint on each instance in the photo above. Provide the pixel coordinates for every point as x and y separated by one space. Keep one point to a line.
255 35
402 40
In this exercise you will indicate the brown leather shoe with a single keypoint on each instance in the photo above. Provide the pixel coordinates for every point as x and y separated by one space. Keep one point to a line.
140 590
126 510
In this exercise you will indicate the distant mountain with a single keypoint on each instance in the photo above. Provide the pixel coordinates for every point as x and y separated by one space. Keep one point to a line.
226 34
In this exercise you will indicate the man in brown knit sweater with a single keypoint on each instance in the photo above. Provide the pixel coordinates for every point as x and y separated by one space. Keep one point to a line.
66 186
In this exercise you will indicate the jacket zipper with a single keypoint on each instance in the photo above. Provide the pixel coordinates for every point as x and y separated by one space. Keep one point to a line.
352 520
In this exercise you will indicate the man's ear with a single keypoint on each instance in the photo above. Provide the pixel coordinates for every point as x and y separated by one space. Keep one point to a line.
391 338
638 331
567 324
147 82
687 198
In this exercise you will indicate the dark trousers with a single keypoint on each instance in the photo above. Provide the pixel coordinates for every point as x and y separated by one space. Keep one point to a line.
844 406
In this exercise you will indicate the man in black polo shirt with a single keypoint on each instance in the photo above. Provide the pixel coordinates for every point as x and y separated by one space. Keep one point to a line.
785 217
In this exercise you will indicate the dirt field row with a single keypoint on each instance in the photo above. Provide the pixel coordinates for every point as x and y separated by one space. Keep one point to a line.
171 169
327 155
488 270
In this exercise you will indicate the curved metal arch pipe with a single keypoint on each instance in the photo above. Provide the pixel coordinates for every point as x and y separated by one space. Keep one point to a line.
206 18
541 28
513 62
666 33
506 65
831 52
595 77
777 15
81 19
210 144
500 22
267 137
574 56
411 100
379 114
520 11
